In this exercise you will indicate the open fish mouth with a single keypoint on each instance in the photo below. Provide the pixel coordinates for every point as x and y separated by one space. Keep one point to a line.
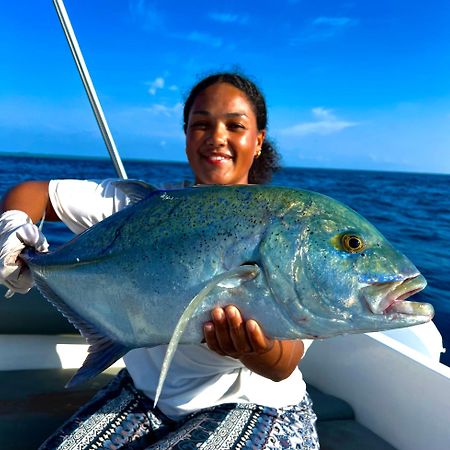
390 298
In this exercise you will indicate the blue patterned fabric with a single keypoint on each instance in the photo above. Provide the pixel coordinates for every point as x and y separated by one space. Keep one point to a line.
119 416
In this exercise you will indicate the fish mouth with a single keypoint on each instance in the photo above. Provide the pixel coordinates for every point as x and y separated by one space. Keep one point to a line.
389 298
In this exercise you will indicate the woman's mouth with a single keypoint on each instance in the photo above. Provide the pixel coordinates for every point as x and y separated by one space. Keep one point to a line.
217 158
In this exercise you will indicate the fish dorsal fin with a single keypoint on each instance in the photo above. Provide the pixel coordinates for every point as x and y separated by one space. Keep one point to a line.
103 352
229 279
135 190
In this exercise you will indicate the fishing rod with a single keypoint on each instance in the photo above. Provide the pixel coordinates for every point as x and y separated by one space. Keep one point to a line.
89 87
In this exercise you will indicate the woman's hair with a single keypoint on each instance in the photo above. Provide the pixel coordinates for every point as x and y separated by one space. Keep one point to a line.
267 163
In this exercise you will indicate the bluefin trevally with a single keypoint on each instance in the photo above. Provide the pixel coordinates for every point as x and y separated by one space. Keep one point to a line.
300 263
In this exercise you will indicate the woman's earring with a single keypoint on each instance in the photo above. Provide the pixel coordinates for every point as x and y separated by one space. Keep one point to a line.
258 154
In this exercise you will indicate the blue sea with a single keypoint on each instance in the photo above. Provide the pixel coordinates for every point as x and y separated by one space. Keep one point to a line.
411 210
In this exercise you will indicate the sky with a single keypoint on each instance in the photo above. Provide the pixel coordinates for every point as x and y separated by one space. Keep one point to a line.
349 84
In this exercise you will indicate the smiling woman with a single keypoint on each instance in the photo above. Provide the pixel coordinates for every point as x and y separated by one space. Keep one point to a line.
222 139
225 121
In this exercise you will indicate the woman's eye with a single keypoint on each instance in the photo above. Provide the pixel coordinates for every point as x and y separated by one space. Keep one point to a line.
199 125
236 126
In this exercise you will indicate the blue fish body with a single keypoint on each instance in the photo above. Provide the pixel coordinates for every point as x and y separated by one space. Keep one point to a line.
302 264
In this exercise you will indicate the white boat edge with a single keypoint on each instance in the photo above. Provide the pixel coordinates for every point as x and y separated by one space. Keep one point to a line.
37 351
399 392
392 380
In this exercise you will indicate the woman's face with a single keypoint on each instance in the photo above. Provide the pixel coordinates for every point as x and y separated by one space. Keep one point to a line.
222 137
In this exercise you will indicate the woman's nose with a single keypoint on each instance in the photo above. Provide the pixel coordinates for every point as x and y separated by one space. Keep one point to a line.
218 136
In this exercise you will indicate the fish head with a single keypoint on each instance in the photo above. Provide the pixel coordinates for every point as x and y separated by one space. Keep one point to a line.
347 278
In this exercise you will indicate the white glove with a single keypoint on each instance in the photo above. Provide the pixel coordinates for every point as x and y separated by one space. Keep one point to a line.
17 231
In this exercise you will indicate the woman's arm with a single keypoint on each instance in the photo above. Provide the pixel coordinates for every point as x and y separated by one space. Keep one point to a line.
32 198
22 205
228 334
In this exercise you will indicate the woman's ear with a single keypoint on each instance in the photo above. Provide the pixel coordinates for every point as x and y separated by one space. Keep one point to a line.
259 142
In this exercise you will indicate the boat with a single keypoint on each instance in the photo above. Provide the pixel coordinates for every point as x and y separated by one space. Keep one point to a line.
393 381
374 391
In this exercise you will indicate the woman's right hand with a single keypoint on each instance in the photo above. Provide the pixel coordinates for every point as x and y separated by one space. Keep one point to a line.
16 232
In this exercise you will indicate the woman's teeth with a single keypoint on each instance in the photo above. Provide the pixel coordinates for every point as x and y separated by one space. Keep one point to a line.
218 157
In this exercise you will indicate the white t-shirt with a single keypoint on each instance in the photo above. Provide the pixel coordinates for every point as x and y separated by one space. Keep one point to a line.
198 377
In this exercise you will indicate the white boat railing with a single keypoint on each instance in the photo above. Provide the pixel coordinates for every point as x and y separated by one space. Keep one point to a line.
89 87
397 392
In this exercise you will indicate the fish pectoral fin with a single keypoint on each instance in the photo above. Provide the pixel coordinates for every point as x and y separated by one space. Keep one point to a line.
103 352
232 278
236 277
135 190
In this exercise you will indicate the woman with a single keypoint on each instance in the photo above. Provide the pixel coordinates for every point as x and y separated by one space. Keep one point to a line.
241 389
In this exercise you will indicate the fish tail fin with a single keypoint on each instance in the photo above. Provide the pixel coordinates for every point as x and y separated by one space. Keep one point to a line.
103 351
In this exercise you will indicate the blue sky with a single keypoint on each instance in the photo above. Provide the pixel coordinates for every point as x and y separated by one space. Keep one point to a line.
349 84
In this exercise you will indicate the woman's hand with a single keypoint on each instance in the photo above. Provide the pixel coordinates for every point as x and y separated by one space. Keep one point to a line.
228 334
17 231
22 206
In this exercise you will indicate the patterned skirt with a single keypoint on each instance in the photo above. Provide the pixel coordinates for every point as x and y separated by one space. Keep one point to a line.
121 417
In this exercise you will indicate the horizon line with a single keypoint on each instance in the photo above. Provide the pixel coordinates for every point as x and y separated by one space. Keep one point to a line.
22 154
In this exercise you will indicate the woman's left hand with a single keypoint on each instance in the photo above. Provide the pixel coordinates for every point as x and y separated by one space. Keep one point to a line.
228 334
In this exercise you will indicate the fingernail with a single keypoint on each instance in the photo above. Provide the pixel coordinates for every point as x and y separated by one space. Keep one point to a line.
251 325
218 314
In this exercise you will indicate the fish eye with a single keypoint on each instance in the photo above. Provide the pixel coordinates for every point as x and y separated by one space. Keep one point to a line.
352 243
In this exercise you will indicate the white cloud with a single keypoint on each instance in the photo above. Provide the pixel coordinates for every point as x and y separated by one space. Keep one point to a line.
157 83
147 16
326 123
164 110
202 38
160 83
228 18
323 28
335 22
199 38
151 19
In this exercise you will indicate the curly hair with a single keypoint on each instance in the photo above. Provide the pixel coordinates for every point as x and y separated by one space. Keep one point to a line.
267 163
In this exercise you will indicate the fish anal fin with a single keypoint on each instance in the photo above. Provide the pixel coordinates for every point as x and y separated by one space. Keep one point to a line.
103 351
100 357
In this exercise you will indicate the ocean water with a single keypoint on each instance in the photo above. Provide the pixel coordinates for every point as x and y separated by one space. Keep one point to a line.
411 210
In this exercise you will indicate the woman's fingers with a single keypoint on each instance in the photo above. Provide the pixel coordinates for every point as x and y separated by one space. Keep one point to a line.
211 339
228 333
258 341
237 330
223 337
217 335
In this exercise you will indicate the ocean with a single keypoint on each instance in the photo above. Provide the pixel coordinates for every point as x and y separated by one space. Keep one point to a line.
411 210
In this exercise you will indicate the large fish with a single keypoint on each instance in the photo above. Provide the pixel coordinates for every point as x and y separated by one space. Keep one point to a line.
300 263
